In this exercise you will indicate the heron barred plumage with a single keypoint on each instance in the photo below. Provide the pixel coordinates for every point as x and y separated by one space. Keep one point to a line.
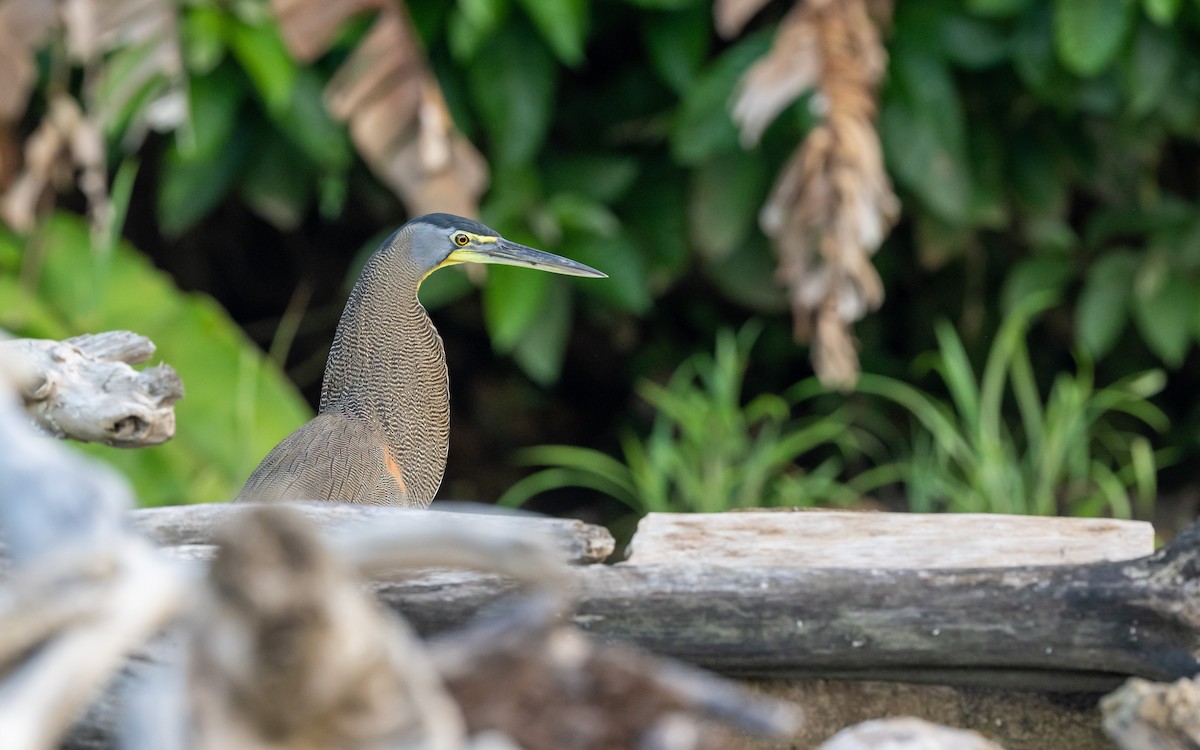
382 430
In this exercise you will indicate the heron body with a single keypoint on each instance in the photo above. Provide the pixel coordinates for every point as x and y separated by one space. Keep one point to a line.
382 431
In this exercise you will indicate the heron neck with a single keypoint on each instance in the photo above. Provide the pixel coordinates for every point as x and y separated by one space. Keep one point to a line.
387 368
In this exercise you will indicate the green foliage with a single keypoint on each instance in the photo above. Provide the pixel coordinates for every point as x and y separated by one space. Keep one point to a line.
707 451
999 119
237 405
1067 453
1037 147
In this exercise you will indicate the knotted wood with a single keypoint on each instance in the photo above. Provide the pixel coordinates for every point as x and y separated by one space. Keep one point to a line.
83 388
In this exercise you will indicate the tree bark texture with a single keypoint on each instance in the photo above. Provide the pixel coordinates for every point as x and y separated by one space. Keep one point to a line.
1071 627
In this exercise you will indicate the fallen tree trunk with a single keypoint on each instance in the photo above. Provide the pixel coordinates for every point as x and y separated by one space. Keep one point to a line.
1073 627
1079 628
1045 627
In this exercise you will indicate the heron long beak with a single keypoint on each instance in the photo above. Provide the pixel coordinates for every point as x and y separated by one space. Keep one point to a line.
507 253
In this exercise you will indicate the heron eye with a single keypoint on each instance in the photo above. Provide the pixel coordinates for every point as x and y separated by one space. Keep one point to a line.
461 239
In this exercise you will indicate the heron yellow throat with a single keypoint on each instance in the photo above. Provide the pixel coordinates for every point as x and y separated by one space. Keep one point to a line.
382 431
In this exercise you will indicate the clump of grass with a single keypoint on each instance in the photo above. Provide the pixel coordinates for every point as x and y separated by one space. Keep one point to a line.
707 450
1067 454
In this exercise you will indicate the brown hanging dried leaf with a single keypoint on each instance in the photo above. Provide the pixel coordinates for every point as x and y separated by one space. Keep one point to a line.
386 93
69 139
833 204
731 16
24 25
64 141
148 29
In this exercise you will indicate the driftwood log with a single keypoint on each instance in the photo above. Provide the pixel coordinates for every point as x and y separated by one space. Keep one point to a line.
1036 626
83 388
190 531
795 538
1080 627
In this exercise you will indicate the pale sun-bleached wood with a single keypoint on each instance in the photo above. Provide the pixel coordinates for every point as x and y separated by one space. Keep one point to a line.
193 525
83 388
854 540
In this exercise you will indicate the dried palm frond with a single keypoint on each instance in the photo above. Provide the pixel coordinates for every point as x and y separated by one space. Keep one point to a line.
24 26
69 139
398 119
832 204
148 32
732 15
65 140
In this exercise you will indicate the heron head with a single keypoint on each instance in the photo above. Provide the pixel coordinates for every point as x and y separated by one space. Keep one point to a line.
440 240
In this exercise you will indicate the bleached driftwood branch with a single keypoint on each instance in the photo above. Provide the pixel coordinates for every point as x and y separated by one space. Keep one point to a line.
190 531
84 592
83 388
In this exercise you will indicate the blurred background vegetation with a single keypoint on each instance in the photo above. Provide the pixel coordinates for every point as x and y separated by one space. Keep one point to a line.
212 174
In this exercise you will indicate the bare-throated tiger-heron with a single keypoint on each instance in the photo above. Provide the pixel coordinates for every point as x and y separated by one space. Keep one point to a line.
381 434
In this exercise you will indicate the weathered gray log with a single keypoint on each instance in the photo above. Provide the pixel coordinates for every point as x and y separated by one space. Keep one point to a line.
192 529
844 539
84 592
1080 627
83 388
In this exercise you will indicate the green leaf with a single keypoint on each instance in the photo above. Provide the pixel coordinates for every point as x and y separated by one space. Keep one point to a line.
543 344
1089 33
924 133
512 300
998 8
129 80
1032 276
1038 180
1162 12
1034 59
972 43
677 44
189 190
472 23
277 183
1164 309
445 287
306 122
213 103
1103 307
626 287
656 214
747 277
261 52
203 31
577 213
703 126
602 177
665 4
237 407
726 192
1148 69
513 88
562 23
